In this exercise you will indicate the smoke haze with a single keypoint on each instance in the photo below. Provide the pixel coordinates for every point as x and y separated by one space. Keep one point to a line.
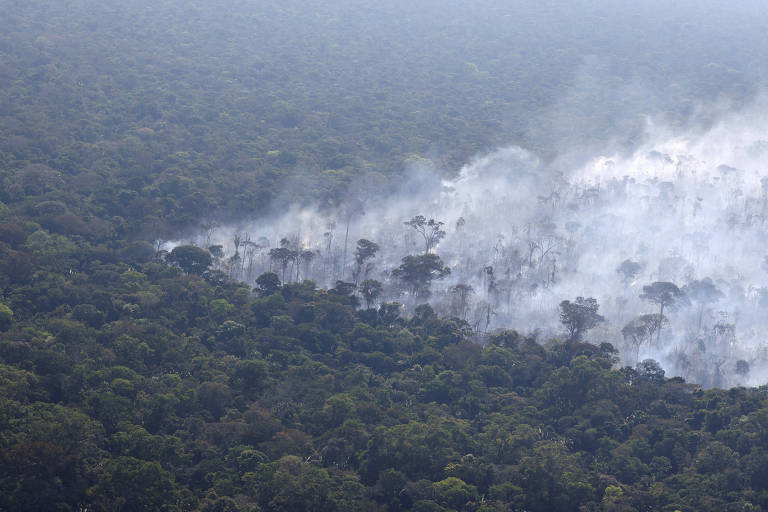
639 140
526 234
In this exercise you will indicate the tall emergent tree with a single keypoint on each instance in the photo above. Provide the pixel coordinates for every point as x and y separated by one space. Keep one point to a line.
350 209
431 230
418 272
364 251
304 256
579 316
640 330
666 295
284 256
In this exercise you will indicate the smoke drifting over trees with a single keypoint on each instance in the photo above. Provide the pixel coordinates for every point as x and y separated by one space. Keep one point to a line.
669 240
372 255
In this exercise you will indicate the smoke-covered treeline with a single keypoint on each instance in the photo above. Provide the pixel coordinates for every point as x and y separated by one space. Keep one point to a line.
511 237
367 305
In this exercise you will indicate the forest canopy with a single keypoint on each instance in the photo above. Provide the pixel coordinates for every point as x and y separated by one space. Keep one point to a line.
153 357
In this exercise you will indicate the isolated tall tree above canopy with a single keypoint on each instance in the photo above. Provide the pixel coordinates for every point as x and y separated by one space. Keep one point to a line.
666 295
431 230
579 316
350 209
640 330
365 251
284 256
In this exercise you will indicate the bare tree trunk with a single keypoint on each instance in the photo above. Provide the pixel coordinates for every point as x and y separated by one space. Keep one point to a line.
346 239
661 321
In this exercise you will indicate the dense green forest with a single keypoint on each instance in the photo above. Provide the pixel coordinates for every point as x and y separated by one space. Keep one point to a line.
144 117
137 386
134 379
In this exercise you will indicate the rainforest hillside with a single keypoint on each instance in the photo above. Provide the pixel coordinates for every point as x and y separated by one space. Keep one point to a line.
137 386
142 372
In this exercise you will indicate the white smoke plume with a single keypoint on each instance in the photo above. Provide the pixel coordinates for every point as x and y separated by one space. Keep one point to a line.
526 235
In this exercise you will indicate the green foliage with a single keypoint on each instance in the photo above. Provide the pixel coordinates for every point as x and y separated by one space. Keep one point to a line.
418 272
134 485
133 381
268 283
296 399
6 317
370 289
454 493
191 259
579 316
137 252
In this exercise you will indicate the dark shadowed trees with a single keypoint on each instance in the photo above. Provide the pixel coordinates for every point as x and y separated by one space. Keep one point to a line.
666 295
364 251
418 272
651 370
460 299
131 484
306 257
191 259
579 316
267 283
6 317
370 289
640 330
702 293
345 288
284 256
354 207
